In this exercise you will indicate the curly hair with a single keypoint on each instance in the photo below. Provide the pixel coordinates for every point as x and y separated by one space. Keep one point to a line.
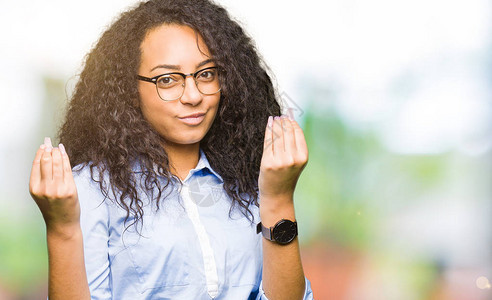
105 129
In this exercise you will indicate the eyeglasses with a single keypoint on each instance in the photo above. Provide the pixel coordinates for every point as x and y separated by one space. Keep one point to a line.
170 86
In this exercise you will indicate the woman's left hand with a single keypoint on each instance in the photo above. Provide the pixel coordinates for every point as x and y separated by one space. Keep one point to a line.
285 155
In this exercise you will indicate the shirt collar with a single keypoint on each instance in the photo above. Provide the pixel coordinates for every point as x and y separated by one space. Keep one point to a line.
204 164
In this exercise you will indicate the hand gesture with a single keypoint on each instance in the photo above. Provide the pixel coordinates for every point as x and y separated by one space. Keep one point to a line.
285 155
53 188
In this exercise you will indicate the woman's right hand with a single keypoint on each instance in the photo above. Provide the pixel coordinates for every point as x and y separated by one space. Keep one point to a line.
53 188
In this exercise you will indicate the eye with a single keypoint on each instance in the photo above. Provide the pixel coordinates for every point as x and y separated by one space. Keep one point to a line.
207 75
168 81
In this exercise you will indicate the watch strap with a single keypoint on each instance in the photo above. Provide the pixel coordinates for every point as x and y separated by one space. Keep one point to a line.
266 232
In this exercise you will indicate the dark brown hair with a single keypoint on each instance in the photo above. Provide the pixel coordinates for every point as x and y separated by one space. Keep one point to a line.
104 126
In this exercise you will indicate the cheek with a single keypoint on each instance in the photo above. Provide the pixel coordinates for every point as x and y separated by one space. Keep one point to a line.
156 112
216 102
150 103
215 105
147 94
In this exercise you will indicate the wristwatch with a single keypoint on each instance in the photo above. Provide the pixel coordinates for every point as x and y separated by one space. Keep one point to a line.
284 232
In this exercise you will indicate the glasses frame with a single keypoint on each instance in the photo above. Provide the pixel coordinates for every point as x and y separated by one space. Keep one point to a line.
194 74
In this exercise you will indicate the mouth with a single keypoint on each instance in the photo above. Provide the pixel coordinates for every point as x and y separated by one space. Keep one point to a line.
193 119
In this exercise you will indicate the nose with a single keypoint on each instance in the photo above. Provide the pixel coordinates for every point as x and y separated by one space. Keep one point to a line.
191 94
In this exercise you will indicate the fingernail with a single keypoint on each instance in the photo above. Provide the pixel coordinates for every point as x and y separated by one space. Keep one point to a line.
62 148
277 118
284 117
47 143
42 146
270 121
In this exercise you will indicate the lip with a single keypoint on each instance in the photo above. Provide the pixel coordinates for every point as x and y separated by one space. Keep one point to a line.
193 119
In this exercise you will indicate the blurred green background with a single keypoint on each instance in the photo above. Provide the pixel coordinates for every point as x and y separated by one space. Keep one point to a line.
395 101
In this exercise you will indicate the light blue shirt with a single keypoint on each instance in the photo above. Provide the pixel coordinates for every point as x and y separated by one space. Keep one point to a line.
189 248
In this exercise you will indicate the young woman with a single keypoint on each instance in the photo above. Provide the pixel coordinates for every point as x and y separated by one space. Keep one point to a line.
179 153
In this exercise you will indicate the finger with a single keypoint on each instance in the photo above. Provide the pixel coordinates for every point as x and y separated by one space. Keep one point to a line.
57 165
278 137
47 142
46 161
300 139
36 168
289 136
67 168
267 143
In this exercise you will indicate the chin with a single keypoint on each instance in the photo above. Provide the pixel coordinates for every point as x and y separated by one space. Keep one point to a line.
186 140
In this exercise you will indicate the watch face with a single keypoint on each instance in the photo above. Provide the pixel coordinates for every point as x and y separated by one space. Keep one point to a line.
284 231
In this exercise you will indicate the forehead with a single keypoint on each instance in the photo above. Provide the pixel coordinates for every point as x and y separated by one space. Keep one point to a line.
173 44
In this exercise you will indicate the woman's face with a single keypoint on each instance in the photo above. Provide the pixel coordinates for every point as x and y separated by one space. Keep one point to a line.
173 48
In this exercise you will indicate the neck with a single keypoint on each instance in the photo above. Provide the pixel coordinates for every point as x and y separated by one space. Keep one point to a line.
182 158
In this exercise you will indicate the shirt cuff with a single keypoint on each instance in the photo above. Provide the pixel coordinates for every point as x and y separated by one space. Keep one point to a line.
308 292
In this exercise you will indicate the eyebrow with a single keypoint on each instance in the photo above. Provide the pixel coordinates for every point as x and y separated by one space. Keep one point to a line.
176 67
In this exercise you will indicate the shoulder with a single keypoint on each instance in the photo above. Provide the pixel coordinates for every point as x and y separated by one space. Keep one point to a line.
93 181
87 174
92 184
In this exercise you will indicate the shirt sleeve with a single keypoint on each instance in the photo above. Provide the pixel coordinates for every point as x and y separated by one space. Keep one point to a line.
94 222
308 292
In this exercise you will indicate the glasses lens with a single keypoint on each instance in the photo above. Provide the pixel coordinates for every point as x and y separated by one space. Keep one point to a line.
207 81
170 86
